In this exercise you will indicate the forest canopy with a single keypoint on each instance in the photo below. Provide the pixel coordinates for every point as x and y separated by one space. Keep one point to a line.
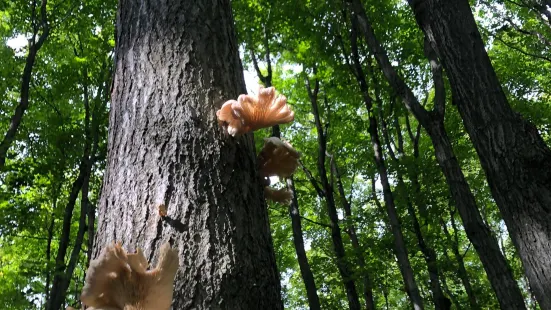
421 178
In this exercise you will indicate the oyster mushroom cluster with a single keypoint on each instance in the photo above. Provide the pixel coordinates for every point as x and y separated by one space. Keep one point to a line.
277 158
118 280
250 113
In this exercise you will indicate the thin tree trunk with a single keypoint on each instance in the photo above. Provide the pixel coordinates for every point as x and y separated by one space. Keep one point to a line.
294 213
91 216
34 46
265 79
516 160
430 254
338 245
376 199
57 294
384 289
51 229
49 253
62 285
305 270
351 231
462 271
440 301
99 111
452 297
499 273
176 63
64 273
298 240
399 243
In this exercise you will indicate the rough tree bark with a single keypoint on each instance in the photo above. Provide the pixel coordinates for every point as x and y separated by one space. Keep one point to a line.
400 248
327 192
516 160
35 43
176 63
496 266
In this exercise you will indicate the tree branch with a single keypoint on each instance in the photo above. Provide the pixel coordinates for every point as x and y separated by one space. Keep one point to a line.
34 46
312 180
314 222
518 49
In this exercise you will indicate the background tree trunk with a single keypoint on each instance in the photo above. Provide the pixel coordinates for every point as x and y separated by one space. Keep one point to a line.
367 287
461 271
440 301
495 264
298 240
343 265
400 248
176 63
35 43
64 272
515 158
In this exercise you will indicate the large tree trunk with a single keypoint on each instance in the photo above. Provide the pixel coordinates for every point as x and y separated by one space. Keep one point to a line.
516 160
497 269
400 248
176 63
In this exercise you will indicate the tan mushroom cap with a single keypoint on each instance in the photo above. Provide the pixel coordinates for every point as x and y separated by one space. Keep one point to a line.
251 112
277 158
119 280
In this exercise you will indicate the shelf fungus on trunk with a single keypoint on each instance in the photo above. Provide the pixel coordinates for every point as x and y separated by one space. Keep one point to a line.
277 158
251 112
117 280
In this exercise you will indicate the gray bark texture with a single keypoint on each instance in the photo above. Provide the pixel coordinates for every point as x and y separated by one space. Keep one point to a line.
176 63
516 160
